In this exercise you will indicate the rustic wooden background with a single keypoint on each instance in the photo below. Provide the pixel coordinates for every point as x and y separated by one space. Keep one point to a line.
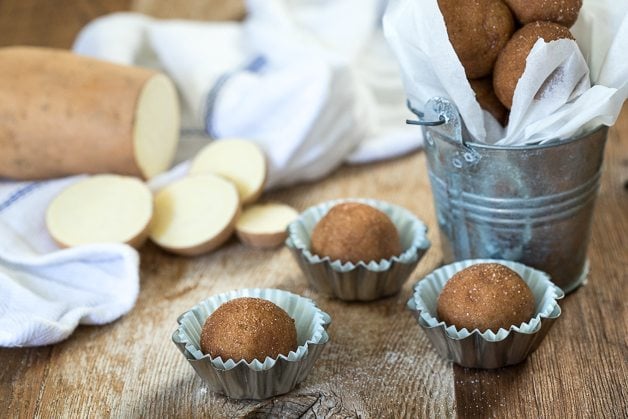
378 363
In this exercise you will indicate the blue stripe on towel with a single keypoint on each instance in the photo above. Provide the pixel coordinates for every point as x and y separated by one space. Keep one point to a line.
254 66
19 194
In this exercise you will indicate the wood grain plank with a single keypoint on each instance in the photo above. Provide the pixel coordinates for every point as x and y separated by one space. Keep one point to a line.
581 368
378 362
16 399
192 9
50 23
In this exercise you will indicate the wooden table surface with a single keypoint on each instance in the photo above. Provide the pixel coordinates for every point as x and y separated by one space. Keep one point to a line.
378 362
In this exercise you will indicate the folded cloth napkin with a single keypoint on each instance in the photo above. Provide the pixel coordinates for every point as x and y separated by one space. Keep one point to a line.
313 83
46 292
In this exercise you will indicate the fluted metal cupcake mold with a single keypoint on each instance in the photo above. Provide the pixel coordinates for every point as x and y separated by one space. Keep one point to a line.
488 349
363 281
255 380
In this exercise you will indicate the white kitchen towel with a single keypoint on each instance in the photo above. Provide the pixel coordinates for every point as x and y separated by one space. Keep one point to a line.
45 293
314 83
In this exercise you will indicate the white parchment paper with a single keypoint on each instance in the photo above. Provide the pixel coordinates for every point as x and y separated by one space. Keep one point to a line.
567 87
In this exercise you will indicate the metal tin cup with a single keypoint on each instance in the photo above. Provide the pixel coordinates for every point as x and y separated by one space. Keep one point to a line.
486 349
364 280
259 379
530 204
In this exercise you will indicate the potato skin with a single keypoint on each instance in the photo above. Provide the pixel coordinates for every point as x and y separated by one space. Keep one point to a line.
511 62
478 30
63 114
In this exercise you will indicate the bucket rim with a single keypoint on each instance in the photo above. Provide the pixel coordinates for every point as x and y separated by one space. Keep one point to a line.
550 144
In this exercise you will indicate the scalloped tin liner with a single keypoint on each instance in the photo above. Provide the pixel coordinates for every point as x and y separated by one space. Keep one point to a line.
255 380
488 350
362 281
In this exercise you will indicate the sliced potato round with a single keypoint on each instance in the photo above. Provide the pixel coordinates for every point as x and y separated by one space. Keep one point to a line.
195 214
100 209
240 161
264 225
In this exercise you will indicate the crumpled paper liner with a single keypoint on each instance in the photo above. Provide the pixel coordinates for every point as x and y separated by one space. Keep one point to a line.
362 281
488 350
255 380
554 98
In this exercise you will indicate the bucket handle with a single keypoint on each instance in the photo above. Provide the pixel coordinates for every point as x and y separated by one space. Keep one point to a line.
442 113
441 117
421 115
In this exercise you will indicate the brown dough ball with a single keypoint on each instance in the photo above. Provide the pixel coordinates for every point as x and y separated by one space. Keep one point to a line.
478 30
487 99
355 232
511 62
564 12
485 296
248 328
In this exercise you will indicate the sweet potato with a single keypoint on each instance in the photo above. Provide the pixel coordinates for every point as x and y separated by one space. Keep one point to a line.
62 114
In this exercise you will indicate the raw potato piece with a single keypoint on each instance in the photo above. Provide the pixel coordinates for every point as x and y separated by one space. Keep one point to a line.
100 209
240 161
67 114
264 225
195 214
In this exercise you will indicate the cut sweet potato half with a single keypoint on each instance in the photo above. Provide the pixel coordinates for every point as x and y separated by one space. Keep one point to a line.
65 114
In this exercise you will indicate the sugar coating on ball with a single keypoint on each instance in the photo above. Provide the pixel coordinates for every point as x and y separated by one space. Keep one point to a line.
478 30
353 232
511 62
564 12
248 328
485 296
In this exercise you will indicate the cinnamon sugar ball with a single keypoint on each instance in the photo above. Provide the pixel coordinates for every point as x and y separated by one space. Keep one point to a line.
564 12
355 232
511 62
485 296
487 99
248 328
478 30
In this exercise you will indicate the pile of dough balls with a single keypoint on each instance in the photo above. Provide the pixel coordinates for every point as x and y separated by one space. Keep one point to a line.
493 38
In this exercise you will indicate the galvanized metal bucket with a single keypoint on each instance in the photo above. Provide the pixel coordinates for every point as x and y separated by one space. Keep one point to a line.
531 204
